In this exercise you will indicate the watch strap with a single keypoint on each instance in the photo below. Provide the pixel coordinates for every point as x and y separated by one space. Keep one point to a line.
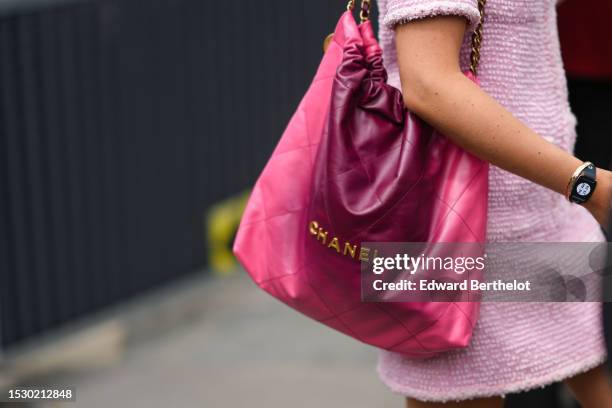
586 169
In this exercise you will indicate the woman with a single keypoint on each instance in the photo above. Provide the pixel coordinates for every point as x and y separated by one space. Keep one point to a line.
519 121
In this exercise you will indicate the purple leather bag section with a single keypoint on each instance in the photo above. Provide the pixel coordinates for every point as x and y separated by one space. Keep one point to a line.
354 164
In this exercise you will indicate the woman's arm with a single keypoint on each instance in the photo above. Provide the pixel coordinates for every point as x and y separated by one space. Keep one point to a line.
435 88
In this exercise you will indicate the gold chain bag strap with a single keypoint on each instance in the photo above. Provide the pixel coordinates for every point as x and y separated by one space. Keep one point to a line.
364 15
477 39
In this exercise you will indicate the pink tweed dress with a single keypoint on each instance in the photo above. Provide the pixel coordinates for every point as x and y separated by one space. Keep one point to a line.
515 346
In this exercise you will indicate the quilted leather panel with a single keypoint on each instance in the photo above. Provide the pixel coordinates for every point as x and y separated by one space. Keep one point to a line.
353 159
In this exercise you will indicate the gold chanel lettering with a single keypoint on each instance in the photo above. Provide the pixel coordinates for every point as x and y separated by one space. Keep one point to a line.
322 236
351 250
314 227
334 244
364 254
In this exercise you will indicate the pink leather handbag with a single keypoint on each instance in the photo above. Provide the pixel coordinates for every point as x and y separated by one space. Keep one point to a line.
355 166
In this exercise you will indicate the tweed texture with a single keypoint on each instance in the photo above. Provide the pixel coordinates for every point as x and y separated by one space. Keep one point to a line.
515 346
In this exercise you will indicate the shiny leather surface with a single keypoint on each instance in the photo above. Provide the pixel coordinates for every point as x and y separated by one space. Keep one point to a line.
356 161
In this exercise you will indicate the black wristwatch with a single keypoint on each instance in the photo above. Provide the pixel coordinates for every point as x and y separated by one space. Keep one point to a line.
582 184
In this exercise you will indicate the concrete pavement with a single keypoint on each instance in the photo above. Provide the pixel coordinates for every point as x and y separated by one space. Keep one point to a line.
239 348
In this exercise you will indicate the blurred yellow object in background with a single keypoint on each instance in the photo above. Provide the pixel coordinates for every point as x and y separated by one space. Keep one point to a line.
220 226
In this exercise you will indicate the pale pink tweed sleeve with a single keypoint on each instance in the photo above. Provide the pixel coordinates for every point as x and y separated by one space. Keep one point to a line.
403 11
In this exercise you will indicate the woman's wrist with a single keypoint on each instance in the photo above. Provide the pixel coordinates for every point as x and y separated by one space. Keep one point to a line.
599 203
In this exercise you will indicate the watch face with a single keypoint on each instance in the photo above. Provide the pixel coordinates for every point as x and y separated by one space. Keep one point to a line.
583 189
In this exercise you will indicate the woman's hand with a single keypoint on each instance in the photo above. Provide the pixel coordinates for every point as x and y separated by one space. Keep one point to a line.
599 204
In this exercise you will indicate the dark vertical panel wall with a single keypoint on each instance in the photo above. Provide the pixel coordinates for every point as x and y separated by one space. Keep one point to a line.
121 122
